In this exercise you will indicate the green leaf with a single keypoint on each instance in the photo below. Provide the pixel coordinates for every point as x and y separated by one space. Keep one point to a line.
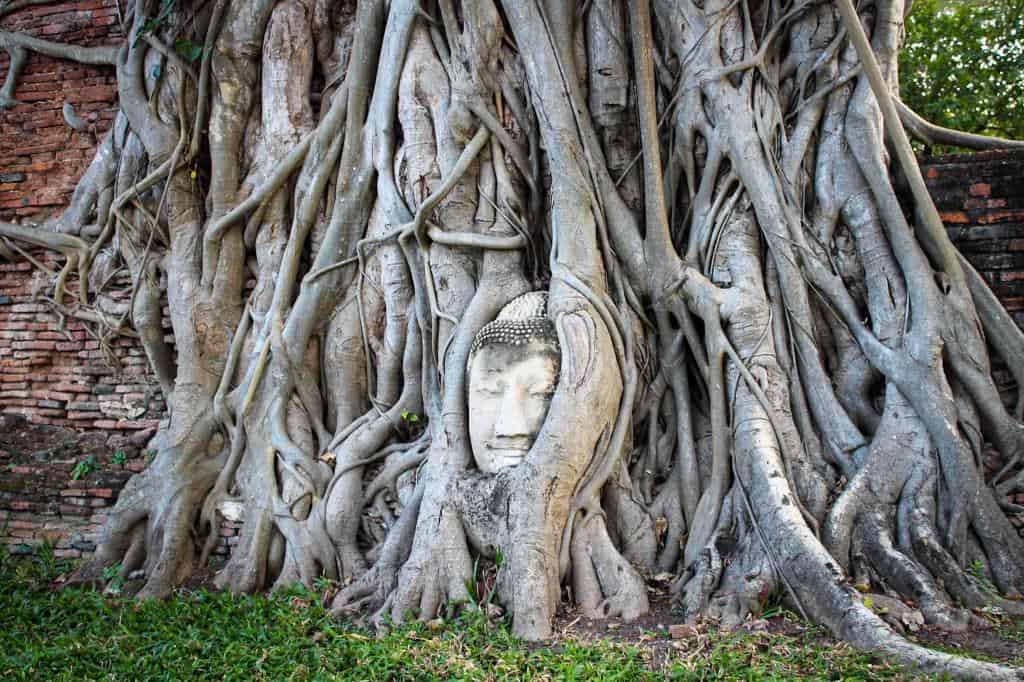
189 50
83 468
961 65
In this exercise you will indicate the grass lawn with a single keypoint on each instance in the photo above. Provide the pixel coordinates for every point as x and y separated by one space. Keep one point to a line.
75 634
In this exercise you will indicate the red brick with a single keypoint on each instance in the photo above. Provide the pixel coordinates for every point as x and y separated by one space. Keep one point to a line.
52 395
954 217
1001 217
137 424
18 523
71 388
34 345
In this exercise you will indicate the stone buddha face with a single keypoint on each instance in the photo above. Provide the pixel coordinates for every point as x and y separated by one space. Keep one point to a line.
513 373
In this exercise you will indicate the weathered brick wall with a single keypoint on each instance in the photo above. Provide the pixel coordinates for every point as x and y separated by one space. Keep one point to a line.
57 484
57 376
60 372
41 157
77 413
981 200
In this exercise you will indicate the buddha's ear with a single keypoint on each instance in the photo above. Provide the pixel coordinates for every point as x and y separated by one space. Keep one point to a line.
576 335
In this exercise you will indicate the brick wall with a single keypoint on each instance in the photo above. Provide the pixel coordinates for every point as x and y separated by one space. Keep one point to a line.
57 484
41 157
59 372
981 200
77 412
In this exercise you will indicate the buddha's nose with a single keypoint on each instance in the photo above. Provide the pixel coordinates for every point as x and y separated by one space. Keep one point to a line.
511 421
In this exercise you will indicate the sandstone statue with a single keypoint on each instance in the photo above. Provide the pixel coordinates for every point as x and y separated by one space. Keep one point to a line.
513 372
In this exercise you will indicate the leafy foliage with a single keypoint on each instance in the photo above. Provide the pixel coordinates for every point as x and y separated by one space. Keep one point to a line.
962 65
154 24
189 50
83 468
112 577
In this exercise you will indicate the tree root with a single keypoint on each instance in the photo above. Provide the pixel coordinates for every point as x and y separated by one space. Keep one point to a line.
605 585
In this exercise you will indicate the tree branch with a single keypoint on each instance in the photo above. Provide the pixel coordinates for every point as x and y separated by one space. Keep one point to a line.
97 56
932 133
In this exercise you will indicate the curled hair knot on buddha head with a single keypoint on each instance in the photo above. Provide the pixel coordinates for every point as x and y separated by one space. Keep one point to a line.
522 321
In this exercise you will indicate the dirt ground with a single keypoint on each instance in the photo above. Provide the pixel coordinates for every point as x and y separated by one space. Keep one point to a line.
648 632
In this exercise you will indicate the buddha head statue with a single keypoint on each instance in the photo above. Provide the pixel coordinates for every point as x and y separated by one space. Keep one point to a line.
513 371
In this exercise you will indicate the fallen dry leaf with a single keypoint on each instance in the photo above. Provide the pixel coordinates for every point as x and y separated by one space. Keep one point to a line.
683 631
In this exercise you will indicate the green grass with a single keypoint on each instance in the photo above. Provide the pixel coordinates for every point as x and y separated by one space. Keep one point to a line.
1013 631
83 634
